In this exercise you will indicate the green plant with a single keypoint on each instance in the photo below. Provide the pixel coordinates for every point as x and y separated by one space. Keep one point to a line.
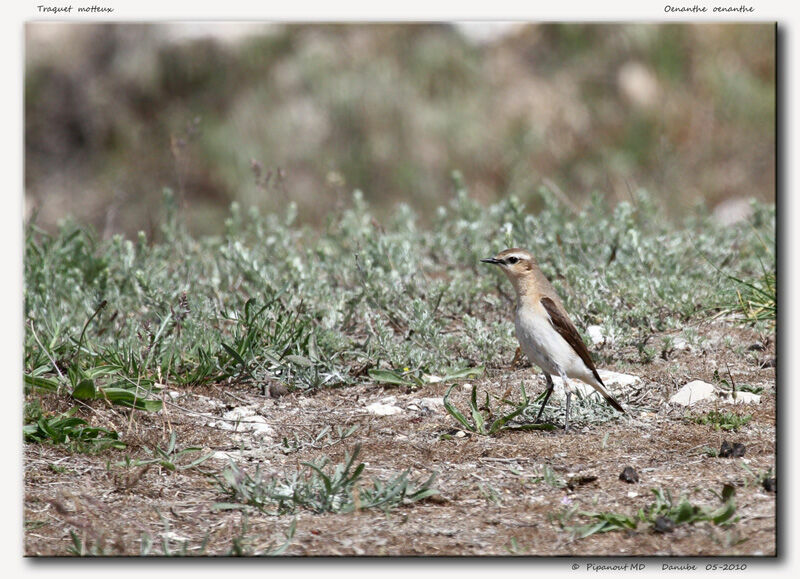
549 477
482 417
415 378
243 545
663 515
490 494
514 548
727 420
757 299
82 547
168 548
320 488
604 523
75 433
683 512
322 439
755 292
756 478
732 386
168 458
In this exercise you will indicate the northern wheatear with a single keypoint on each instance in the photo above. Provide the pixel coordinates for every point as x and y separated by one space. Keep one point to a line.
545 332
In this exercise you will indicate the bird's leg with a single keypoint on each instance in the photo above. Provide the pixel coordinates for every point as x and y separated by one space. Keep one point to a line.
568 393
547 394
566 415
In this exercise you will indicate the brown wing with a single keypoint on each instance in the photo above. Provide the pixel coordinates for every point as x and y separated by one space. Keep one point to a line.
564 326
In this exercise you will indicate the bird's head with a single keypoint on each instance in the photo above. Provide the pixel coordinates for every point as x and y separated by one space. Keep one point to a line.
516 263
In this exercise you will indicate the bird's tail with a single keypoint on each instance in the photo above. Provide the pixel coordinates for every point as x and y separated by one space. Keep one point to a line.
601 388
610 399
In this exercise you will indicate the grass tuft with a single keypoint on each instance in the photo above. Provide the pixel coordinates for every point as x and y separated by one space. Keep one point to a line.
662 516
728 421
320 487
483 419
69 430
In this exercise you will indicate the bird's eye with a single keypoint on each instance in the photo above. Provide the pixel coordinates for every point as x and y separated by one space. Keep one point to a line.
512 260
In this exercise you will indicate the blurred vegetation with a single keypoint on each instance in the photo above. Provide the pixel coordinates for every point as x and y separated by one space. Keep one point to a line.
273 302
308 113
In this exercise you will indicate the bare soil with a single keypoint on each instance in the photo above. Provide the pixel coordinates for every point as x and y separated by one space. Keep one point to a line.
492 499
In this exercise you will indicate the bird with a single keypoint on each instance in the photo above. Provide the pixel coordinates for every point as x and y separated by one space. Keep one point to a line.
544 330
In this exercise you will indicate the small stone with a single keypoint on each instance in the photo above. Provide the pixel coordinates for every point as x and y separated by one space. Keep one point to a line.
433 401
384 407
758 346
238 413
610 378
226 455
629 475
680 344
431 404
692 392
663 525
770 485
276 390
245 419
596 334
173 536
735 450
578 387
739 398
578 480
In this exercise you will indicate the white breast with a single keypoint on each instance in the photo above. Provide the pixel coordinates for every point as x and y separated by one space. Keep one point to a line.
545 347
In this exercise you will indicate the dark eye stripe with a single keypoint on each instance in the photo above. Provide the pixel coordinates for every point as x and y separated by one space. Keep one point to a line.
512 260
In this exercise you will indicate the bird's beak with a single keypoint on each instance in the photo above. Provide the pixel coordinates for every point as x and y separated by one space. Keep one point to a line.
491 260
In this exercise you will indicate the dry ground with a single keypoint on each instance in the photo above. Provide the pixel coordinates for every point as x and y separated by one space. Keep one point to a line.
493 500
